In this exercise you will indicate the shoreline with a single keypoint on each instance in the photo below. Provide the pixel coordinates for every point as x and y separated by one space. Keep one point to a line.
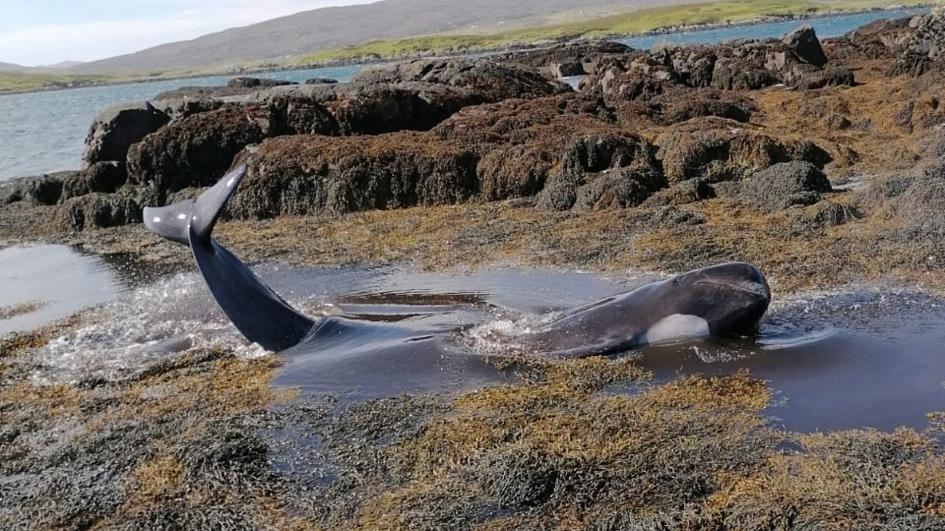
519 47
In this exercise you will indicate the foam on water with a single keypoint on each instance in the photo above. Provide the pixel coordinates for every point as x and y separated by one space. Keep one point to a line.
149 324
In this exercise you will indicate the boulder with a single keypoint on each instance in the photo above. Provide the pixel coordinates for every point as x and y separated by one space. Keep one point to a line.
805 45
255 82
313 174
104 176
687 108
807 77
320 81
197 150
46 189
115 129
784 185
570 69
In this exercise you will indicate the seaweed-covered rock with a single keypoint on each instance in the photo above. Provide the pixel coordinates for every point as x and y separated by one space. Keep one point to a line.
177 108
619 188
103 176
115 129
320 81
312 174
690 149
97 210
786 184
683 193
197 150
383 108
493 81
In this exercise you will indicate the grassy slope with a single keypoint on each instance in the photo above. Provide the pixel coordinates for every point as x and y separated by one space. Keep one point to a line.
628 23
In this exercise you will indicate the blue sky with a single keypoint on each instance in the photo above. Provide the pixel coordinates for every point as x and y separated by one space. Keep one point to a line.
40 32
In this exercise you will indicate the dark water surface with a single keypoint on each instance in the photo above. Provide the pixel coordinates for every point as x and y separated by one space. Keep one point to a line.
858 358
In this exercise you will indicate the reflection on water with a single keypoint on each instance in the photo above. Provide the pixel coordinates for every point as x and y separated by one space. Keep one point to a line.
835 360
61 280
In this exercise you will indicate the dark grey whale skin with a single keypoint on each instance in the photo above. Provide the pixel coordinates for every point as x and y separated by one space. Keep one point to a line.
729 298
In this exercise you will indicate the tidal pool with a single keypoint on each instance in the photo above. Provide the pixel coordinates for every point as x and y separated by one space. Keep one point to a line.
845 359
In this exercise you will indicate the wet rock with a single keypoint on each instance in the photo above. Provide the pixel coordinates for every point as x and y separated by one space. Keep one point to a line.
312 174
178 108
925 48
197 150
47 189
115 129
97 210
103 176
784 185
493 81
255 82
806 47
320 81
559 70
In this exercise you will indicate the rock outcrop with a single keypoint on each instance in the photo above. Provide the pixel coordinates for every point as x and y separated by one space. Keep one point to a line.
313 174
115 129
196 150
784 185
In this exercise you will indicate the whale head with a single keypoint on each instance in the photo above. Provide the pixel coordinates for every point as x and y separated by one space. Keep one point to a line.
722 299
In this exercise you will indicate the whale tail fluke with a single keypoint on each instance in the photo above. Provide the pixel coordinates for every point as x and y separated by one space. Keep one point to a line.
258 312
170 222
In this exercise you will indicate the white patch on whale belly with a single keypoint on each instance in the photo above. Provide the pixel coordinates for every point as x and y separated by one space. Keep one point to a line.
675 327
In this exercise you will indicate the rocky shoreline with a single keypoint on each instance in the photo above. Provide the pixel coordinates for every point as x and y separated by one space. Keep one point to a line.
723 144
821 162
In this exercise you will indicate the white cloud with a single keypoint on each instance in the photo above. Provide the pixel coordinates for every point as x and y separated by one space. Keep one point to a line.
85 41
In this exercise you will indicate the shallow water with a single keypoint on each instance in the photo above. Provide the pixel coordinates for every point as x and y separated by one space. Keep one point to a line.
856 358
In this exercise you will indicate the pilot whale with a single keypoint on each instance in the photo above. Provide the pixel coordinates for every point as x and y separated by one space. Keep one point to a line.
718 300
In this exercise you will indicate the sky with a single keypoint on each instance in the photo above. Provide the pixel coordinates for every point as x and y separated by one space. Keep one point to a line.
42 32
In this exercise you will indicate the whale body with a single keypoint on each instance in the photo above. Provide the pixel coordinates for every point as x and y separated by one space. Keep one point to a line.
717 300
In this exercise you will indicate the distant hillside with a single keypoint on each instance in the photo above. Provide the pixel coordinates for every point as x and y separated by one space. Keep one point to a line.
339 26
10 67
